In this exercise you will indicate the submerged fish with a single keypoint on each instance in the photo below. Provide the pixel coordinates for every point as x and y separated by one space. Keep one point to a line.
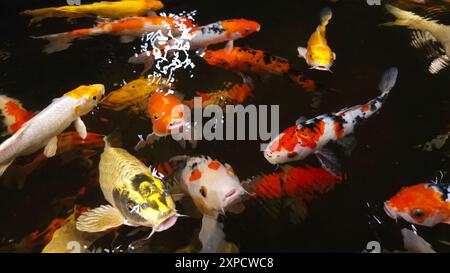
428 32
426 204
112 10
438 142
70 146
12 115
67 239
318 54
134 95
42 130
232 94
247 61
290 191
202 37
137 197
167 115
313 136
129 29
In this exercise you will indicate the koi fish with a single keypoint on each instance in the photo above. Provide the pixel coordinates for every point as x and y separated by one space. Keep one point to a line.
42 130
129 29
436 143
137 197
135 94
13 115
291 190
232 94
167 115
70 146
429 34
425 204
318 54
67 239
104 9
214 189
202 37
255 61
313 136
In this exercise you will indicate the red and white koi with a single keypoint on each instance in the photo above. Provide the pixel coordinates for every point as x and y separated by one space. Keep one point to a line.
309 137
12 115
426 204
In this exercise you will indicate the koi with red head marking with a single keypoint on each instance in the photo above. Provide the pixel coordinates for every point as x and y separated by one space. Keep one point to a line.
12 115
426 204
129 29
313 136
255 61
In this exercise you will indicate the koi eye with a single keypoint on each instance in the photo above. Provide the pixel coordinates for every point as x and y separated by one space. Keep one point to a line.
131 206
416 213
247 29
94 97
155 117
144 206
203 192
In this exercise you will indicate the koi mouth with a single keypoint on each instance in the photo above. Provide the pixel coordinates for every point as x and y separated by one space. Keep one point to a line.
232 197
166 224
321 67
389 211
175 124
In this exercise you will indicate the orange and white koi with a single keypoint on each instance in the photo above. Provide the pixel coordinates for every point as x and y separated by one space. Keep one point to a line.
129 29
104 9
42 130
12 115
318 54
199 38
247 61
425 204
214 189
312 136
167 115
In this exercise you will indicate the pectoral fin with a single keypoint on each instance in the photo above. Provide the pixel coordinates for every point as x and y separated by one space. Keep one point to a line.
124 39
229 47
51 148
100 219
4 167
81 128
211 235
330 161
201 52
302 52
348 144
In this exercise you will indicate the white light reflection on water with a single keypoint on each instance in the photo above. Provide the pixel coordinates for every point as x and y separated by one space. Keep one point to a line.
169 52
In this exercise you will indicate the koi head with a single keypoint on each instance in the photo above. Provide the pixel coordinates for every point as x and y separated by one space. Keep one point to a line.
425 204
166 113
88 97
295 143
213 186
320 57
239 28
146 202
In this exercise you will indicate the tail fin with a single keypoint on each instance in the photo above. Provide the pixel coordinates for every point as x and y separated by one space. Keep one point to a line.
57 42
113 140
38 14
325 17
404 18
298 78
388 80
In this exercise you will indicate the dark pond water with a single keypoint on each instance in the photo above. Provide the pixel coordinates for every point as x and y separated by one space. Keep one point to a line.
340 221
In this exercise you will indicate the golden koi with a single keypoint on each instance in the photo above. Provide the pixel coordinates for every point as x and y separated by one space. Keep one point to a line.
318 54
111 10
